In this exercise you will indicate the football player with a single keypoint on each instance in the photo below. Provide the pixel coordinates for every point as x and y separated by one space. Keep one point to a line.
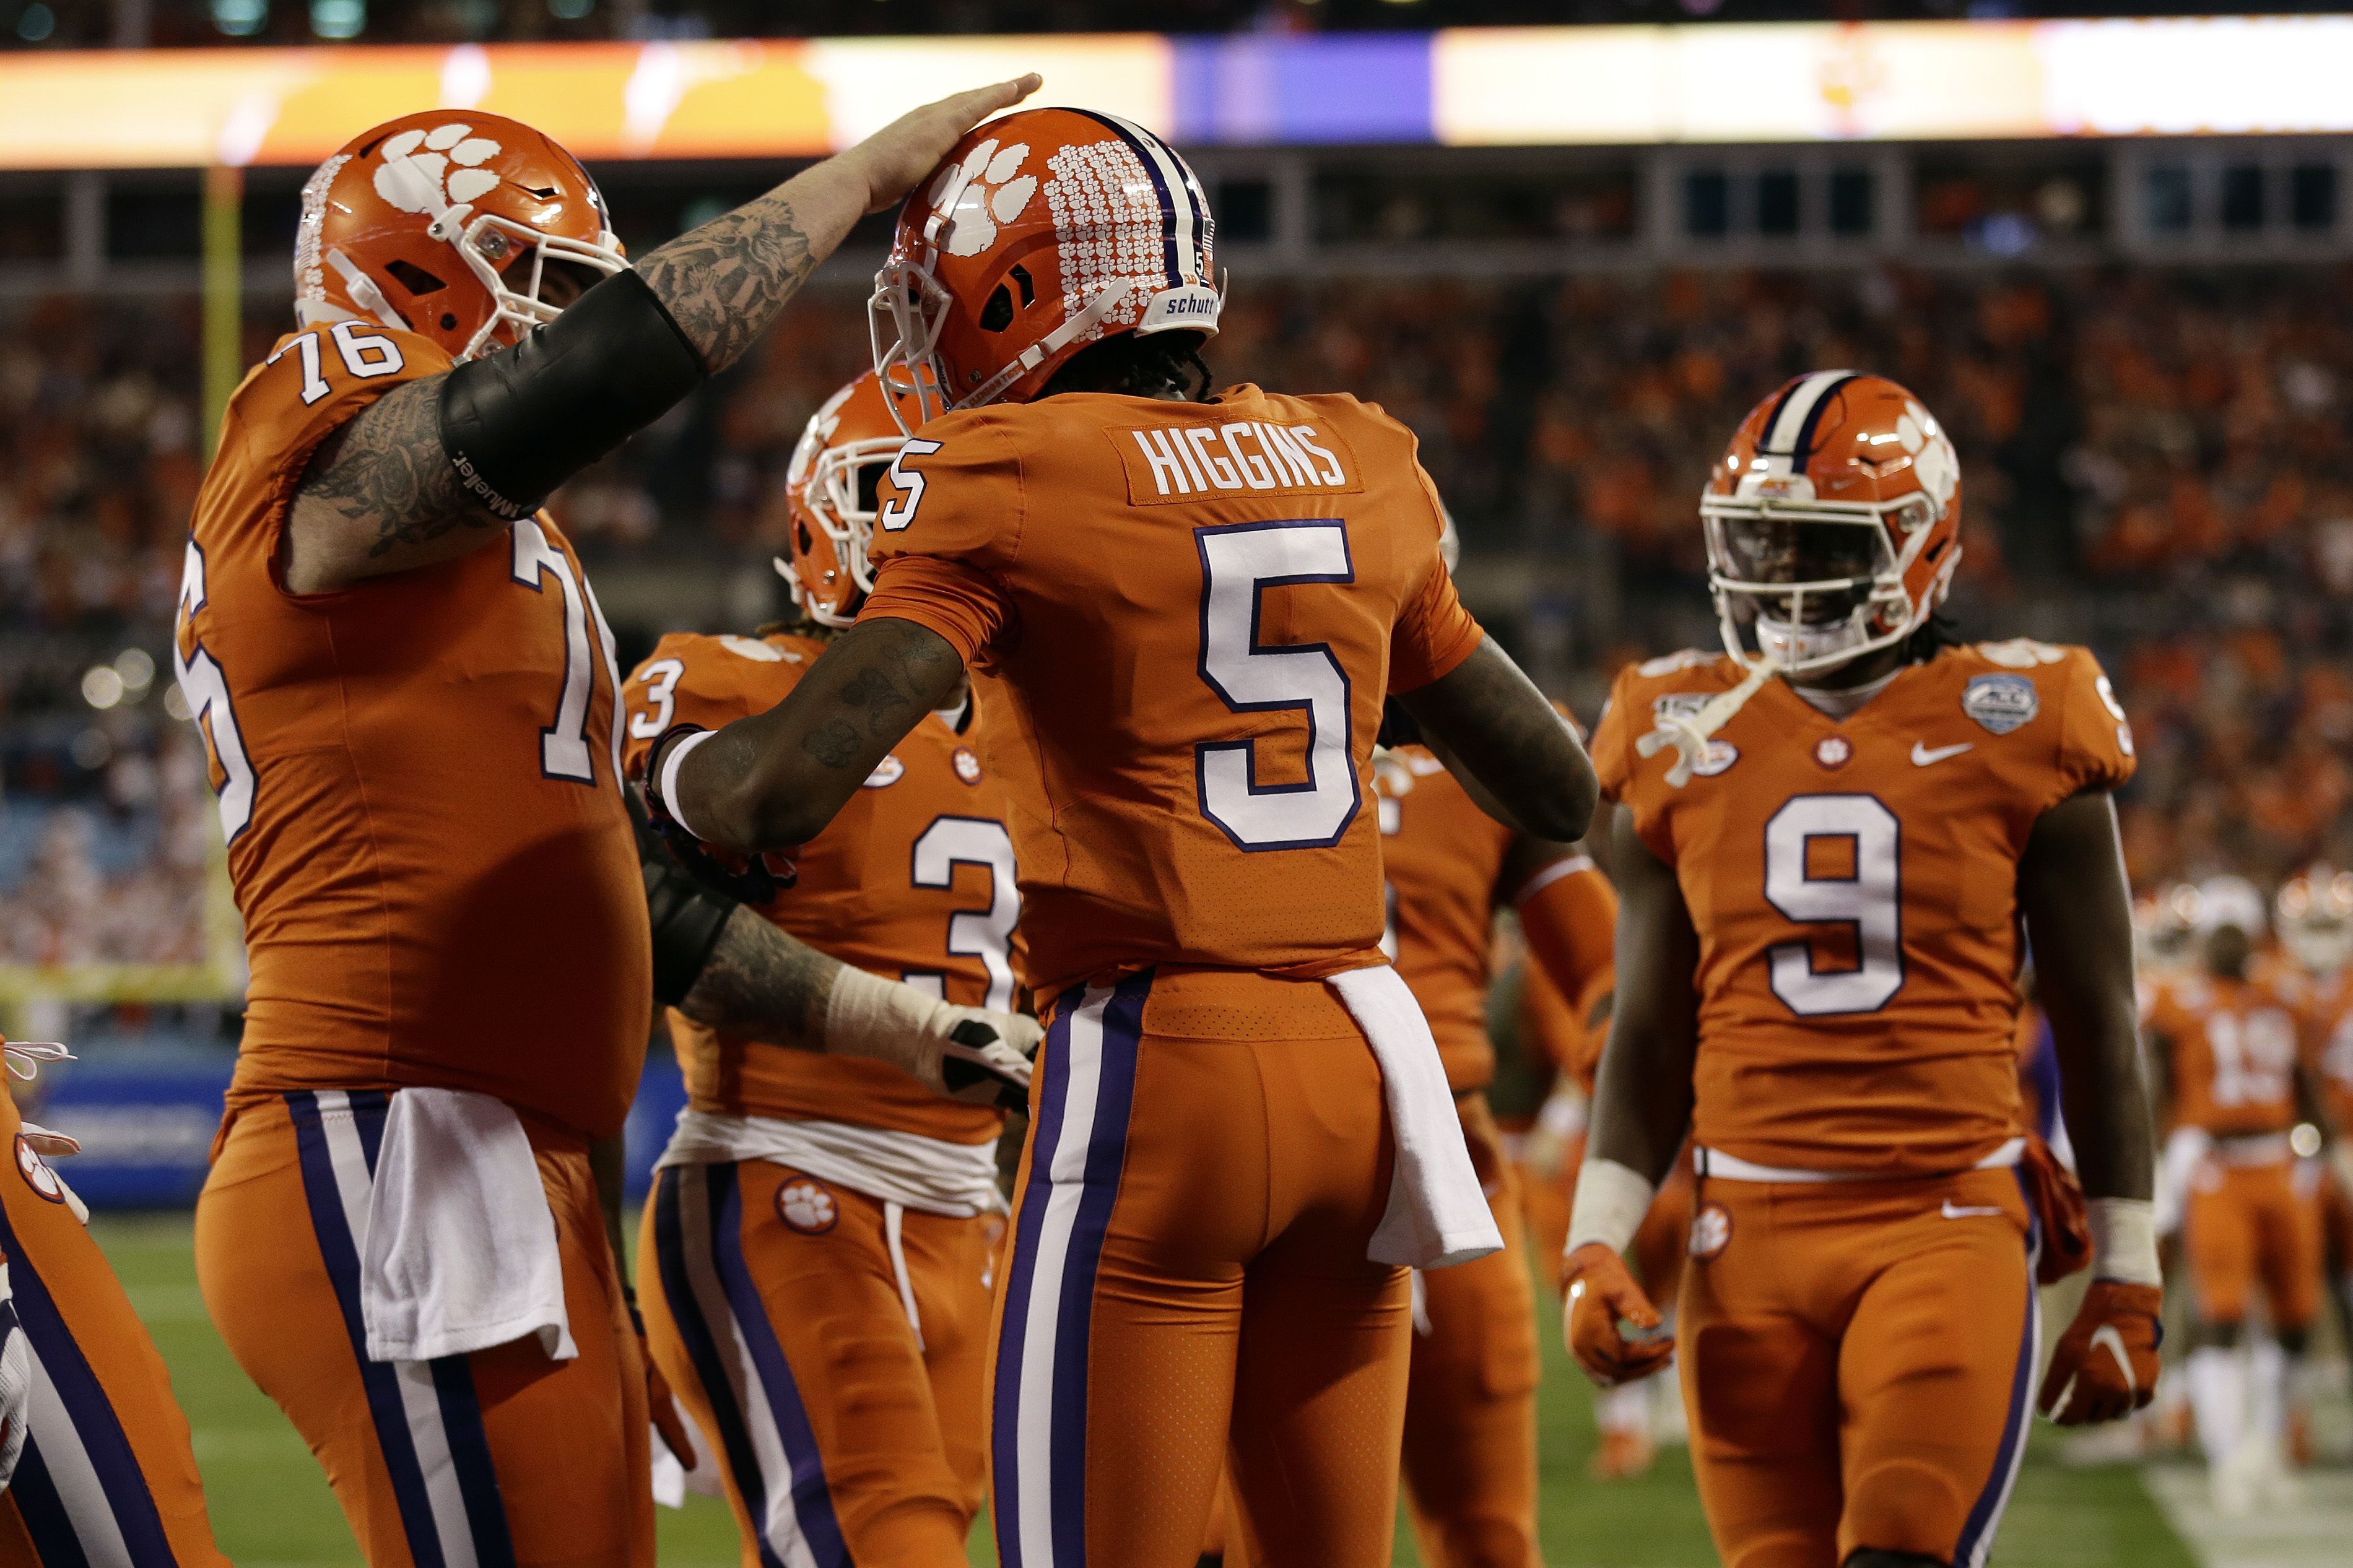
1632 1418
408 695
2313 911
1471 1415
95 1460
822 1228
2228 1047
1825 849
1182 614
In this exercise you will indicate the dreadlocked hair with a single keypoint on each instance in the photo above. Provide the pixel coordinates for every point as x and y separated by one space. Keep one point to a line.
1932 636
1159 365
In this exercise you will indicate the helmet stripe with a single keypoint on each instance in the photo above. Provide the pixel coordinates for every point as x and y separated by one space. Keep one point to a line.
1179 228
1789 433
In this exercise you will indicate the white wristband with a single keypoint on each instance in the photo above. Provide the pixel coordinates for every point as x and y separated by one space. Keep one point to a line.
669 783
1611 1200
2124 1240
885 1020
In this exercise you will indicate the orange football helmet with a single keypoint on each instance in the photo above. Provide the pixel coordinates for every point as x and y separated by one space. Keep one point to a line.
419 222
829 492
1832 521
1041 232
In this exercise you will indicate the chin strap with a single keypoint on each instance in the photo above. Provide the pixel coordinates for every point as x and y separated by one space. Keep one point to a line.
1689 733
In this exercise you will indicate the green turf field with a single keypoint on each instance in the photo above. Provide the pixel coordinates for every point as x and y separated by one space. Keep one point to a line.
270 1505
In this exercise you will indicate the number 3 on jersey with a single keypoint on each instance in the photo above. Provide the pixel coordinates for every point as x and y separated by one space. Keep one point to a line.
1239 563
1837 859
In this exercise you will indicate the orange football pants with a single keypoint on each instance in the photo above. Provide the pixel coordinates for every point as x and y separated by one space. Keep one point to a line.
501 1458
1470 1395
840 1421
1857 1359
1208 1156
2245 1223
107 1474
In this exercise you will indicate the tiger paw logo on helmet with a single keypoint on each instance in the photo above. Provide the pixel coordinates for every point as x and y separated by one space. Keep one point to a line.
424 170
1933 462
988 188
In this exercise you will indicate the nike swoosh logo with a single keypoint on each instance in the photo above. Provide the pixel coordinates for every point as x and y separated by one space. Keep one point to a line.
1969 1211
2106 1337
1922 756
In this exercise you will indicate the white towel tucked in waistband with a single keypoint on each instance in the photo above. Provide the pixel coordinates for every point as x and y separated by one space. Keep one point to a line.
462 1252
1436 1215
931 1175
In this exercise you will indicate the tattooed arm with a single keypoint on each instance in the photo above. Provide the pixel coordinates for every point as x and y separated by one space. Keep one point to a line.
761 984
381 495
776 778
724 282
1518 758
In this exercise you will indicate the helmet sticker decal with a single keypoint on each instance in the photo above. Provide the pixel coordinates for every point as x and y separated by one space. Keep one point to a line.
1094 196
310 276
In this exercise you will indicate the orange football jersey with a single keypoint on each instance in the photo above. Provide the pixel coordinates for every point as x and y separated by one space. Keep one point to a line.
419 781
2330 1026
2234 1049
912 881
1853 888
1443 860
1441 856
1184 617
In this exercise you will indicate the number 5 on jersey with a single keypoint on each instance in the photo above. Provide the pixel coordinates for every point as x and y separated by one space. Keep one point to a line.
1239 563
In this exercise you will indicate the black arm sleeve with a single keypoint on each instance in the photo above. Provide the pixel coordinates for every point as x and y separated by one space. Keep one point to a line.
686 916
518 423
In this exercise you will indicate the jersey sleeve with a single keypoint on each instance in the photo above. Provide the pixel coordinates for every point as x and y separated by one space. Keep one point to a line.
948 533
2096 741
1612 747
314 382
682 681
1434 633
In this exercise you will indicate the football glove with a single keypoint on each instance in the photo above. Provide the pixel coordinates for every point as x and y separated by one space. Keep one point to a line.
660 1405
15 1382
965 1053
2105 1366
1614 1331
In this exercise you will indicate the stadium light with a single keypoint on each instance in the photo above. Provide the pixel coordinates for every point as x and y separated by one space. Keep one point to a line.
769 98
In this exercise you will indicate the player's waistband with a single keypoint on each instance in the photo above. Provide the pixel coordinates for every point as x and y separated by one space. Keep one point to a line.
2253 1149
1723 1167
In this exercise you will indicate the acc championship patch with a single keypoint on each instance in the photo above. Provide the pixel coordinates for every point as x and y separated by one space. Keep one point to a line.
887 771
808 1206
1719 755
2001 702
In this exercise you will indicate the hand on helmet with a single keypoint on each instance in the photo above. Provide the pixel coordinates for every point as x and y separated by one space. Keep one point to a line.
900 154
1599 1302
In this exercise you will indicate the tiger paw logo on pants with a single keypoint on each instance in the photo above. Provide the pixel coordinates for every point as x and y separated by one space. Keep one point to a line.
992 194
808 1206
426 169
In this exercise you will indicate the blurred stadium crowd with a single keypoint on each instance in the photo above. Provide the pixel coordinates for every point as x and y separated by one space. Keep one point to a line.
2153 462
